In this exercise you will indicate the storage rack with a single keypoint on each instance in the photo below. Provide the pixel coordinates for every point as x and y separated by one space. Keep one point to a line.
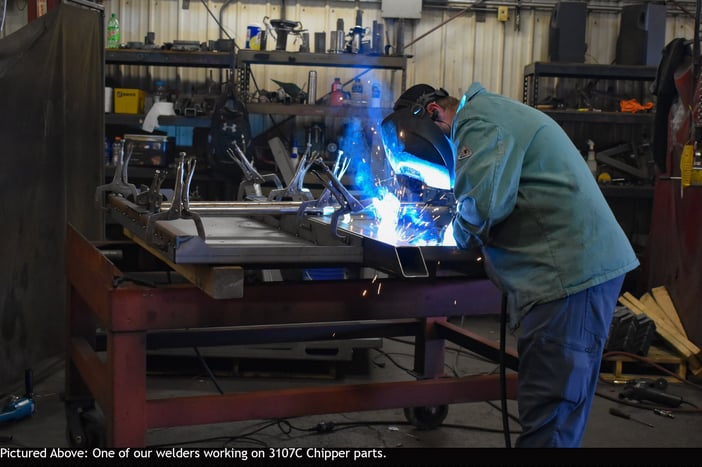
246 58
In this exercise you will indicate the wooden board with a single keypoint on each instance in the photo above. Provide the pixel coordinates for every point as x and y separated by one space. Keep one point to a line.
627 368
682 345
662 297
218 282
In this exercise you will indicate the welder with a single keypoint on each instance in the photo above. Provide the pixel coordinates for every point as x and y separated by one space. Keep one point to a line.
526 197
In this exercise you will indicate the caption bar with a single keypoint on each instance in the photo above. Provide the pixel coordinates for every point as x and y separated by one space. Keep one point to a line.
269 454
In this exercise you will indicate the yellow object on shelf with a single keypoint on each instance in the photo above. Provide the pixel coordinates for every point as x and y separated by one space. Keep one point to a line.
129 101
686 165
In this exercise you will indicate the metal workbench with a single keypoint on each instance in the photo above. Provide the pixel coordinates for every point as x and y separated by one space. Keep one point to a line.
117 298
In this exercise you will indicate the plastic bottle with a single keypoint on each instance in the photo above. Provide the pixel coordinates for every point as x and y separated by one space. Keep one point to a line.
337 94
357 92
591 162
108 151
696 175
160 94
113 36
294 156
117 150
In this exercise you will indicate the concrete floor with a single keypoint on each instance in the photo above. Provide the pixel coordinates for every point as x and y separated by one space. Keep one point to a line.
468 425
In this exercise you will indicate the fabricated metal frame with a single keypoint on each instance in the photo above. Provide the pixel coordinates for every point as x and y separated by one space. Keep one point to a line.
102 297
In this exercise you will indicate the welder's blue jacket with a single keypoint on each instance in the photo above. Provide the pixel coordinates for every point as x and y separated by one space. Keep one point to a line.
527 197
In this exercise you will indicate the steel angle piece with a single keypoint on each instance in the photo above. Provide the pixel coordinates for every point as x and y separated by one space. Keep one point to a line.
247 241
405 261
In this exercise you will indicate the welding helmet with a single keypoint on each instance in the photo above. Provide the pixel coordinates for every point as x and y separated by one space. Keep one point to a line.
414 145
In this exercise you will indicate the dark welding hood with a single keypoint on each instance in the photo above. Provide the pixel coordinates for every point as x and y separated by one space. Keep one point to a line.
417 148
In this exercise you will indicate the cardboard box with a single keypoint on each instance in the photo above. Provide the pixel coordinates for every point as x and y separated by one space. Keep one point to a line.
129 101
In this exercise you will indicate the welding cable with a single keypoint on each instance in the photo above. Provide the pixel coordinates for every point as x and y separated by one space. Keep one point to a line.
329 427
207 369
503 376
227 439
648 362
643 405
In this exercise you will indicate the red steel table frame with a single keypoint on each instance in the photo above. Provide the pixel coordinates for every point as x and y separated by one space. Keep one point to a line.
125 313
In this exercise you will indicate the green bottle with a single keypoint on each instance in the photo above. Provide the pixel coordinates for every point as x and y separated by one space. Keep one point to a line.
113 32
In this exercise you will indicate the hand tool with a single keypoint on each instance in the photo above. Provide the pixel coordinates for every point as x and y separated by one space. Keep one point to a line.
17 408
644 389
618 413
664 413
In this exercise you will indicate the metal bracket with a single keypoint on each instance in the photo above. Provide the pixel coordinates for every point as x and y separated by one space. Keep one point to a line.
606 157
120 181
180 207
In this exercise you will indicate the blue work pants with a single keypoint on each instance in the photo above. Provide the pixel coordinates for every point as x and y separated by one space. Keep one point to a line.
560 350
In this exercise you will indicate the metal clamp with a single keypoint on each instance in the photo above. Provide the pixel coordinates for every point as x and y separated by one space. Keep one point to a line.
151 197
120 181
180 207
295 190
252 178
347 202
340 167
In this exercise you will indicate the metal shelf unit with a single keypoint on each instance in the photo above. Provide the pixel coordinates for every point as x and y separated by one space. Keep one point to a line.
158 57
602 86
536 70
247 58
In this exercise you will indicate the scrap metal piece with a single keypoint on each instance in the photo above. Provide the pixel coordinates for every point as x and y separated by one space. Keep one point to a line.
120 181
607 157
180 207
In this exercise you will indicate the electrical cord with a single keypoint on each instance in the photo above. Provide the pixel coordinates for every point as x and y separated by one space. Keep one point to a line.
503 376
226 439
643 405
208 370
651 363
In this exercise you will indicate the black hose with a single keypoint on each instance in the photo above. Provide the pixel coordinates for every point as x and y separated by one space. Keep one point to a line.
503 376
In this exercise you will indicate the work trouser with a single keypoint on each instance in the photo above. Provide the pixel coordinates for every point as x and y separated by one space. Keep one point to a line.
560 350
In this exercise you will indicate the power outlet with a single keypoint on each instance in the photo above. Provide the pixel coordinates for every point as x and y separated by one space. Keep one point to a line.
502 13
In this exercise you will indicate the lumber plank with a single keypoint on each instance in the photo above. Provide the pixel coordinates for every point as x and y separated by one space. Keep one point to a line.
662 297
655 311
219 282
684 347
637 307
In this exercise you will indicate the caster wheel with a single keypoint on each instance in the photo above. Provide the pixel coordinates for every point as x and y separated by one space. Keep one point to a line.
426 418
93 432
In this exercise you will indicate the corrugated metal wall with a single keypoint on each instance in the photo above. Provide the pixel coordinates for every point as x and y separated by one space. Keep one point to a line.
472 47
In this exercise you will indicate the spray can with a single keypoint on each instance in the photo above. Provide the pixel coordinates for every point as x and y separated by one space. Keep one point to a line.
375 95
312 87
357 92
